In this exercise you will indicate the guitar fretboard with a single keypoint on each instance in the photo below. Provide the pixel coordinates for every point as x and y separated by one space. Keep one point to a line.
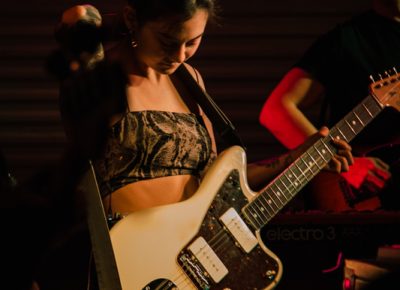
278 193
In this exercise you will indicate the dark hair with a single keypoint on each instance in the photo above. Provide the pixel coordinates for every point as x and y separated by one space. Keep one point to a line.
182 10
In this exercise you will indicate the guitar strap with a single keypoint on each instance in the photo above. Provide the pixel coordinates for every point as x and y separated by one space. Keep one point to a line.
223 125
106 267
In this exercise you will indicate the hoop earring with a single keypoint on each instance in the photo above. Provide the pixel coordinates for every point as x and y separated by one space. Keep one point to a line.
134 42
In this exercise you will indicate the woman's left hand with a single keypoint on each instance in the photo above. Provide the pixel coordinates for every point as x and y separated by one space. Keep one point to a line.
340 161
343 158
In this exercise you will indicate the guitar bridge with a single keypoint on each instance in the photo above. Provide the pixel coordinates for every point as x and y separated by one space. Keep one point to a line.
202 263
195 272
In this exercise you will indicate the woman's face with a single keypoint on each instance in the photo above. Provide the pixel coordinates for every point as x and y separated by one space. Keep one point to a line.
164 46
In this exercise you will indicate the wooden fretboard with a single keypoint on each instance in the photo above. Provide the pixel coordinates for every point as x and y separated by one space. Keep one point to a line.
283 188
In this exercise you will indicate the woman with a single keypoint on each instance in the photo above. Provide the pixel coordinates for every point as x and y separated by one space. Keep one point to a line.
150 142
179 139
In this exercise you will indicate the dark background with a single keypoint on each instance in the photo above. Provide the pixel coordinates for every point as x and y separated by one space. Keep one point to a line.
241 61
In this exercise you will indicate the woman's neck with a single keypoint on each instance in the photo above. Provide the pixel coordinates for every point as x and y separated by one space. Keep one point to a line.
124 54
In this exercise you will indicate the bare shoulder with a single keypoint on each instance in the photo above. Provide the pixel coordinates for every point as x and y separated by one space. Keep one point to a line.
195 74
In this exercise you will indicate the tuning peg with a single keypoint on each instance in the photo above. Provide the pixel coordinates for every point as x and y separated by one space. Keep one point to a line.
386 79
379 84
396 73
371 78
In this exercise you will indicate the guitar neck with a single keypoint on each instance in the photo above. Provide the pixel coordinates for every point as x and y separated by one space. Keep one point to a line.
283 188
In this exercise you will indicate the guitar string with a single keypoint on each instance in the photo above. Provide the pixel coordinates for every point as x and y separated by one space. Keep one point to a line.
213 241
309 166
221 235
217 242
221 239
319 162
270 195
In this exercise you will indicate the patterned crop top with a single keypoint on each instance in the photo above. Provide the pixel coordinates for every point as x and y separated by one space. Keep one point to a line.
151 144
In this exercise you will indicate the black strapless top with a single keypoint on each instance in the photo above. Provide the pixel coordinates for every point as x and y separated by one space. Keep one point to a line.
150 144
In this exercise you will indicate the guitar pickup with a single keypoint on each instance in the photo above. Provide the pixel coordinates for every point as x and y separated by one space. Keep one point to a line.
208 259
239 230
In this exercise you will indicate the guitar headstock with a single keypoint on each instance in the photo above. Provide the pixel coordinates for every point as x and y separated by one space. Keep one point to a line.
387 90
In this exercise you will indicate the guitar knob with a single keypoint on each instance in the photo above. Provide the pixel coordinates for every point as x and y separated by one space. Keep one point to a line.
270 274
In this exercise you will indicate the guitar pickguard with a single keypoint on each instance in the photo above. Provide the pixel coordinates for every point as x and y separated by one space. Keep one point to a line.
187 245
258 268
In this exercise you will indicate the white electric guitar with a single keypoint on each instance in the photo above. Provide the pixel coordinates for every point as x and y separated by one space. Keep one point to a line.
212 240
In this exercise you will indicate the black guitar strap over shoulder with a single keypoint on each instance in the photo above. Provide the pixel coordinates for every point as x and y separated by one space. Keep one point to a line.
220 121
106 268
103 253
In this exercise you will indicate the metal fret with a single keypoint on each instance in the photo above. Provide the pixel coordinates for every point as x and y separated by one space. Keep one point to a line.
287 189
341 133
277 193
266 203
302 173
303 158
322 156
351 128
260 207
366 109
254 217
344 127
314 162
358 118
299 175
327 147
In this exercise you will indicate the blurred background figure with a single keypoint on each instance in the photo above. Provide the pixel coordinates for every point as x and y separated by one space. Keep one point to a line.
335 71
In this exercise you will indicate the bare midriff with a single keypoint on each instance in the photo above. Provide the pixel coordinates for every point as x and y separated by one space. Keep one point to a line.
150 193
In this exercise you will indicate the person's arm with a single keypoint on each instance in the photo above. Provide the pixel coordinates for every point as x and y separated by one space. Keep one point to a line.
92 90
281 113
78 33
259 174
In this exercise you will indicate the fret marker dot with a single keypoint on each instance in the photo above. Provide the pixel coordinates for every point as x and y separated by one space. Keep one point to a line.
310 163
354 122
295 183
323 151
269 201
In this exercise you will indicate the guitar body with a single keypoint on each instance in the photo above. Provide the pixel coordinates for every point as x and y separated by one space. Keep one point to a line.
152 246
212 240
